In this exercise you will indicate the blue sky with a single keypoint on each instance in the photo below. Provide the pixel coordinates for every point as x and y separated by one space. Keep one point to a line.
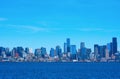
47 23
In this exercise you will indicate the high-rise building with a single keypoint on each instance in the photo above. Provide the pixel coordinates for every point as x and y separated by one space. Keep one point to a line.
20 51
96 50
88 51
73 49
107 53
13 52
58 51
2 49
27 50
52 52
114 45
7 52
82 45
78 54
38 52
102 52
43 51
73 52
65 47
68 44
83 51
109 48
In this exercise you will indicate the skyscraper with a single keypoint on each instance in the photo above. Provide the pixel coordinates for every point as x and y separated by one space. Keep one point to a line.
88 51
73 49
73 52
20 51
27 50
107 53
43 51
109 47
7 52
58 51
38 52
82 45
114 45
14 52
101 51
52 52
68 45
96 50
83 51
65 47
2 49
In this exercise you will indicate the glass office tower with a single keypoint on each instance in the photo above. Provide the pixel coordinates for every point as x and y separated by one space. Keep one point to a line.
114 45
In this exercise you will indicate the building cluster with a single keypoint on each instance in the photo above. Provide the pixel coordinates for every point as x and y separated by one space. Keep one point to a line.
101 53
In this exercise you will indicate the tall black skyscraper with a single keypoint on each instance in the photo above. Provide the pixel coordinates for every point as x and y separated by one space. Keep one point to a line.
43 51
68 45
102 51
114 45
110 53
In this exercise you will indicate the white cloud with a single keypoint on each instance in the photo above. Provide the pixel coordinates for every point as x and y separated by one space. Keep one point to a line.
91 29
97 30
28 28
3 19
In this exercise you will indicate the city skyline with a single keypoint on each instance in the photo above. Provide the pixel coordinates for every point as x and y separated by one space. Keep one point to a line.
102 53
67 43
47 23
67 46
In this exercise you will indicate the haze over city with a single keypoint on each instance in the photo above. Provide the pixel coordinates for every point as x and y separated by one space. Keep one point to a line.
36 23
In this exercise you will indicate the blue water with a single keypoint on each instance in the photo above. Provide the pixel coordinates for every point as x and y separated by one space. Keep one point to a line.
59 70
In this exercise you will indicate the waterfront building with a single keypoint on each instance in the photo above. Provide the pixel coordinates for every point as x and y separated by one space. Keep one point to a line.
73 49
13 52
83 51
110 52
78 55
96 50
88 52
65 48
73 52
43 52
102 51
109 48
68 45
52 52
38 52
107 54
27 50
20 51
58 51
2 49
114 45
